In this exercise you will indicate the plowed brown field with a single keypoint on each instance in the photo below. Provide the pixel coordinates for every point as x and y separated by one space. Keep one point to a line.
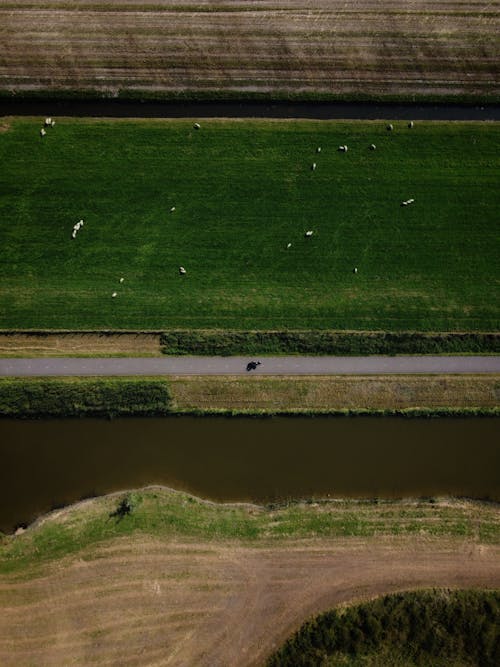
366 46
166 602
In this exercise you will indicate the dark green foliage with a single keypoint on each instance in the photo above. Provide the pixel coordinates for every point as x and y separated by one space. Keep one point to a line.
145 95
124 508
220 342
83 397
438 627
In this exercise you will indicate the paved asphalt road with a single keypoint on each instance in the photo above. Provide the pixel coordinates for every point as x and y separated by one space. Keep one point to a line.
237 366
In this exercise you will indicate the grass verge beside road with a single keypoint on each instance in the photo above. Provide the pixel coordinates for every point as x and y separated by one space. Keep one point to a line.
221 342
81 397
343 395
315 342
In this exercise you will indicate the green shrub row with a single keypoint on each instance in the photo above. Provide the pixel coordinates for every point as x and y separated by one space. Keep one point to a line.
438 628
221 342
83 397
132 94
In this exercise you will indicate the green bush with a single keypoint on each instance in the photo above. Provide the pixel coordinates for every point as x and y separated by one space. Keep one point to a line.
221 342
438 627
83 397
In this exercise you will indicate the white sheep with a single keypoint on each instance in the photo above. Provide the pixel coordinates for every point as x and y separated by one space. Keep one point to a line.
343 149
114 295
182 270
313 166
196 126
355 270
172 209
318 150
308 233
410 124
42 132
52 123
48 121
73 234
390 127
122 279
288 245
372 147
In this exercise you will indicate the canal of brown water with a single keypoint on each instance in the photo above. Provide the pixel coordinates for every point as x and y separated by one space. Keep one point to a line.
48 463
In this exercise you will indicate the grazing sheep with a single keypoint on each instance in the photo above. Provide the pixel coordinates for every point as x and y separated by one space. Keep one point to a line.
355 270
410 124
343 149
196 126
404 203
390 127
318 150
372 147
73 233
289 245
114 295
52 123
313 166
48 121
122 279
42 132
308 233
172 209
410 201
182 270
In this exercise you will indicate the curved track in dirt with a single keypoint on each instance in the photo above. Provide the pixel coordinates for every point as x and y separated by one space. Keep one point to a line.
151 602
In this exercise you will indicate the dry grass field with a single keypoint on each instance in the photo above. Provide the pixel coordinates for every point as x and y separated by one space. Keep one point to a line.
335 393
177 591
76 344
371 47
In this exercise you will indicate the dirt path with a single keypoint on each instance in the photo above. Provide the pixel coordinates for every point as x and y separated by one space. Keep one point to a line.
149 602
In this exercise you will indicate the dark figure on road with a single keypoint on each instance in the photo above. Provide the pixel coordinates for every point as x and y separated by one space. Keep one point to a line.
252 365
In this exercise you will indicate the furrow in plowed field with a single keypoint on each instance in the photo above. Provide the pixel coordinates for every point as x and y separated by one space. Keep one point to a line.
320 46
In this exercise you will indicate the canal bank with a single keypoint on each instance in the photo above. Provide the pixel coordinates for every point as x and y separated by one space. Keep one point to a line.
52 463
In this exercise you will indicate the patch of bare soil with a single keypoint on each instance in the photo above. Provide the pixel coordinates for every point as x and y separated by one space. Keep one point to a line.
415 46
79 344
151 602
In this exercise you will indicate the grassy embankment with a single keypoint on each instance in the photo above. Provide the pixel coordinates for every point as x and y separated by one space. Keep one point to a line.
436 627
222 342
242 191
169 514
342 395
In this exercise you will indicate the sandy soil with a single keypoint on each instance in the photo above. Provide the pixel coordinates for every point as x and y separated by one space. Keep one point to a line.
389 46
27 345
151 602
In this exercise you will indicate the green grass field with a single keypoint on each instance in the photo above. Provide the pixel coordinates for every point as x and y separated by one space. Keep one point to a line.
242 191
